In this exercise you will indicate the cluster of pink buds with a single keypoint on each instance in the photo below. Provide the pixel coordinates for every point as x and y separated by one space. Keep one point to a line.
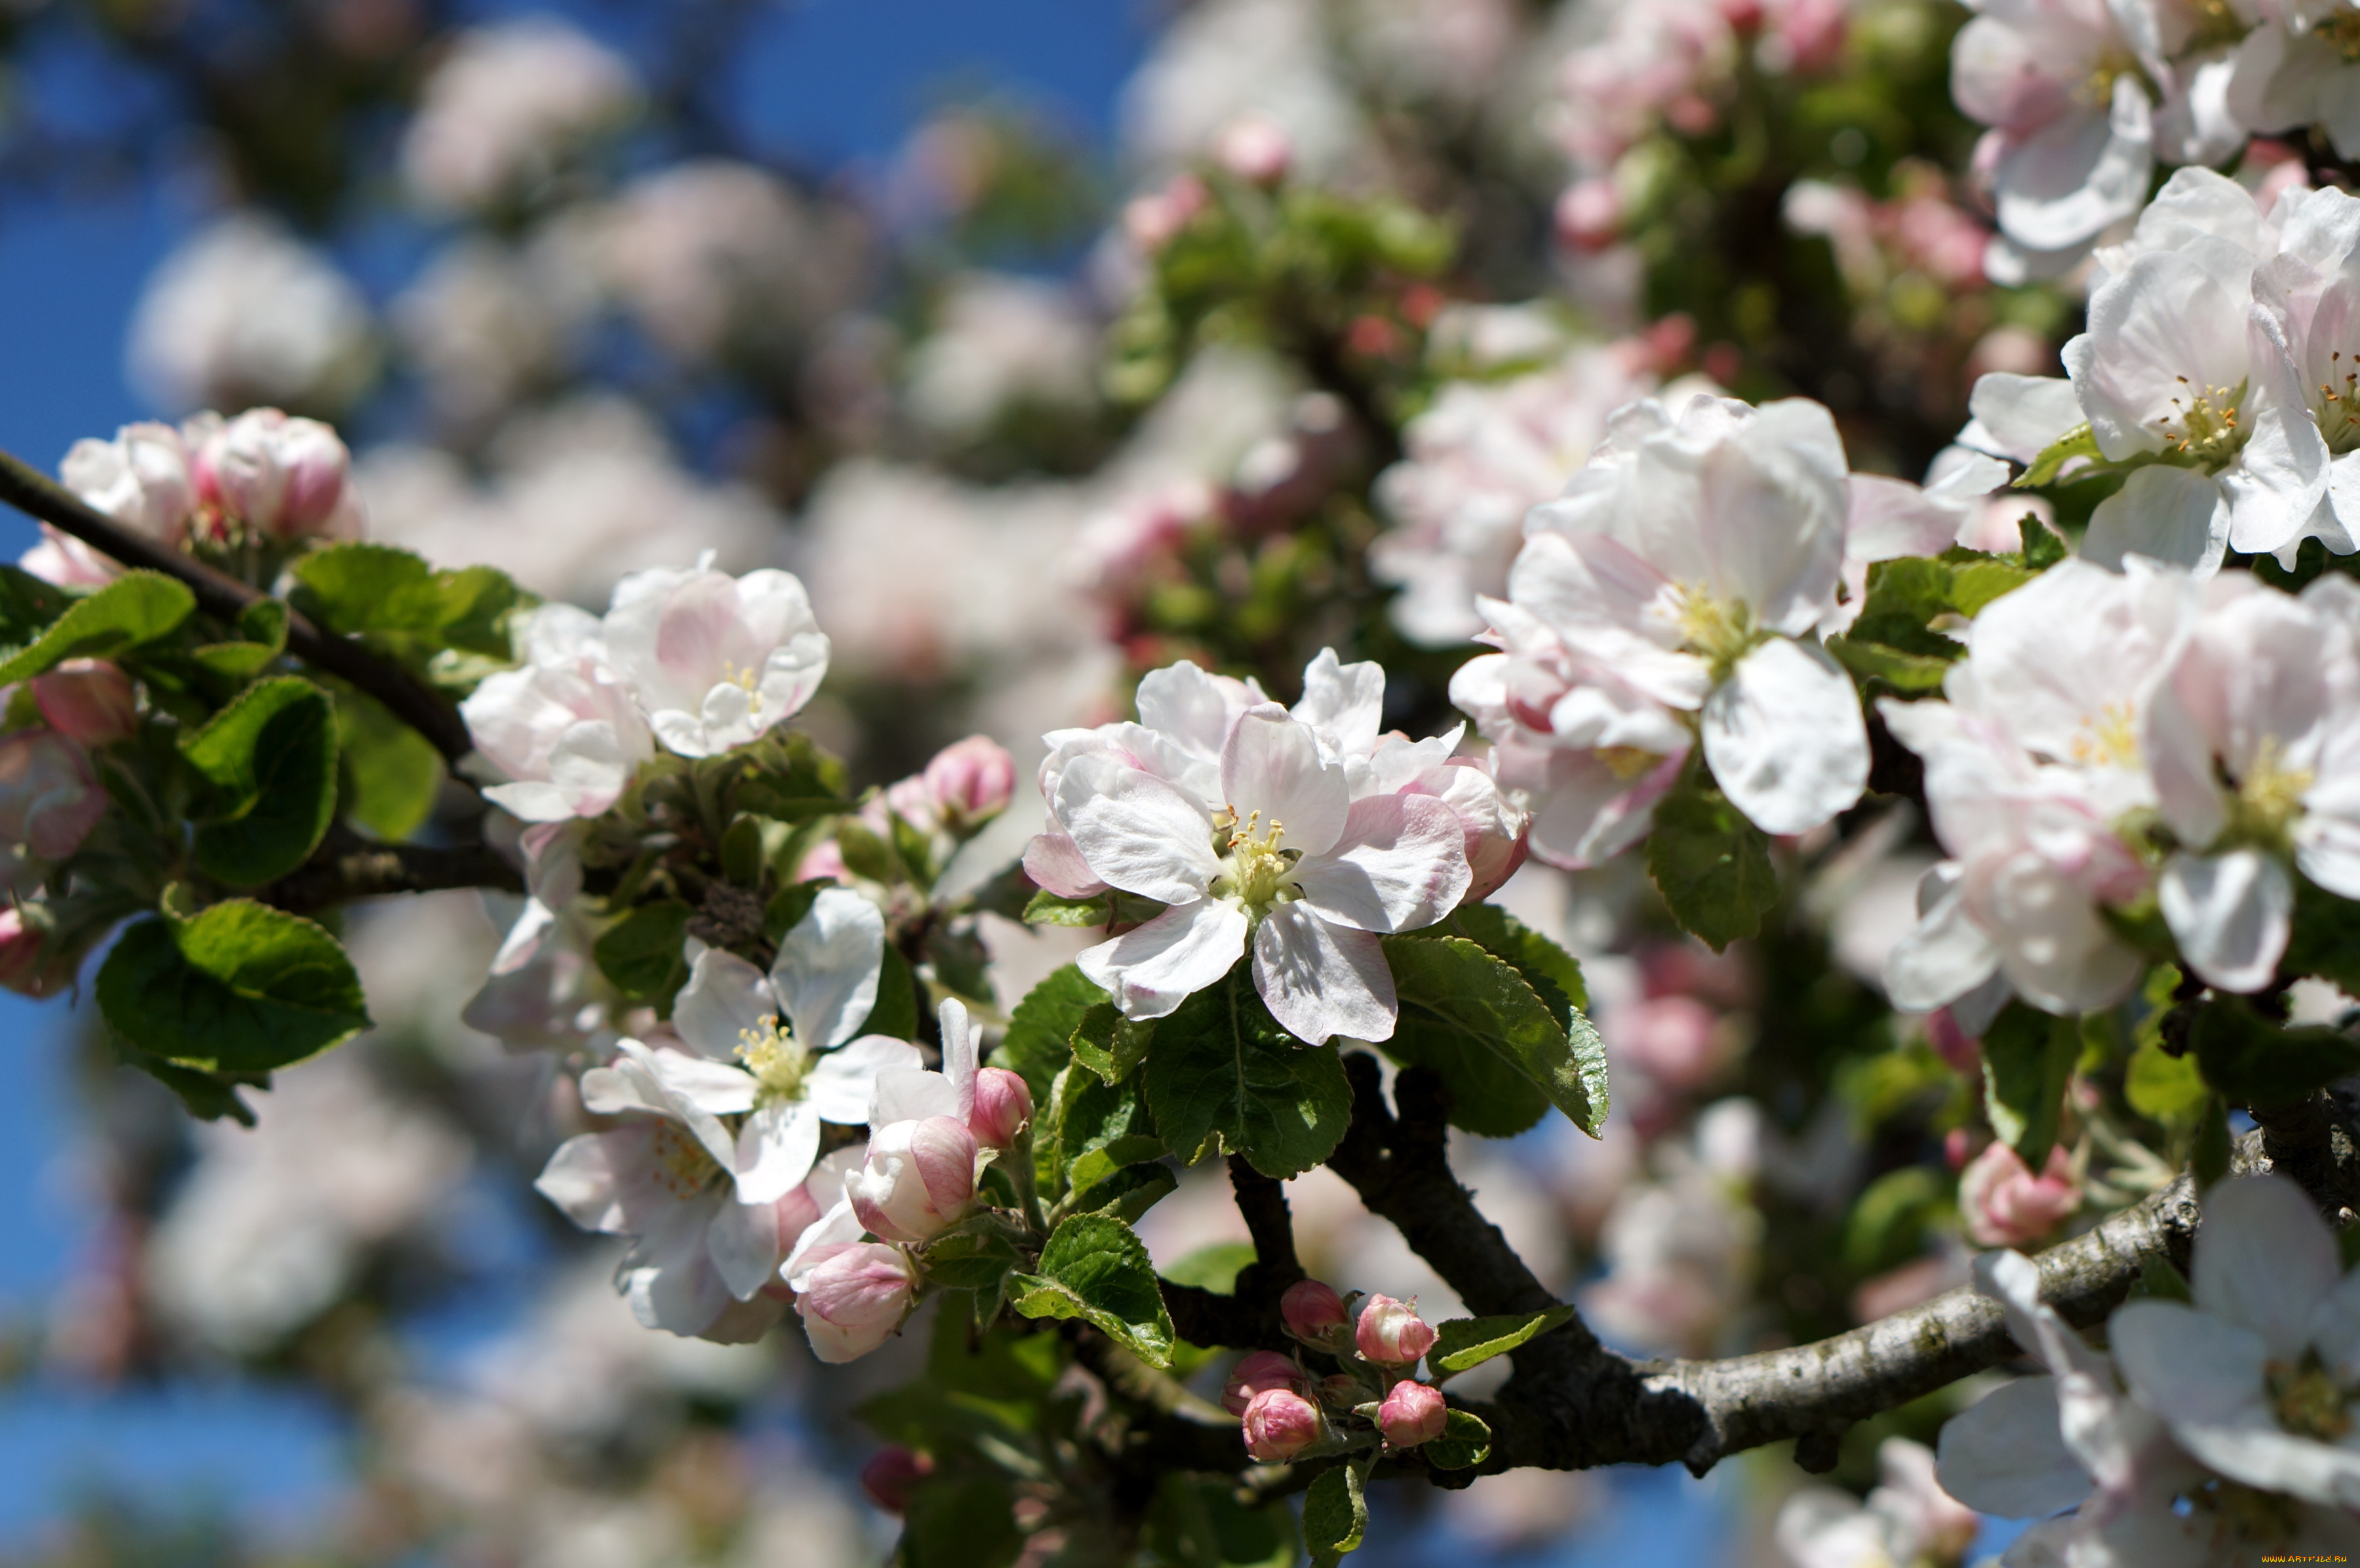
1288 1412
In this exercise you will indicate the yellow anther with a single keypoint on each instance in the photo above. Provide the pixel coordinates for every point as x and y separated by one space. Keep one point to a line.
2203 424
2108 738
682 1168
776 1059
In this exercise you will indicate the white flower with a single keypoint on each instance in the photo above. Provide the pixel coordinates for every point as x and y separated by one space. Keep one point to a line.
1266 838
1690 558
774 1040
244 314
507 106
1907 1520
2297 70
141 479
561 727
715 661
708 252
2253 740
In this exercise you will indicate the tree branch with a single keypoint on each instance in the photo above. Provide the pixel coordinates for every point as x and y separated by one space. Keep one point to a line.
348 867
35 494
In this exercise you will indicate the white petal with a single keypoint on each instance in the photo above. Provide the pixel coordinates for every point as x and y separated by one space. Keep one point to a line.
909 1094
2081 173
743 1241
2335 1328
1401 864
1892 517
775 1150
1271 764
826 972
1346 702
1945 955
716 1088
596 1179
1321 980
726 999
838 1227
2264 1260
1152 970
670 1282
2173 514
2023 415
2004 1455
1784 737
841 1083
958 1050
1137 832
2230 914
2260 1455
2188 1366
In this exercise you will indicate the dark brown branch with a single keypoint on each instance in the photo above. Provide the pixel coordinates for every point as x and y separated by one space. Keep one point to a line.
348 867
34 492
1247 1318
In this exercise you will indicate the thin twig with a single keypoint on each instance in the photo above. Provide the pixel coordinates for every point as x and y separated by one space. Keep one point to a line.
348 867
30 490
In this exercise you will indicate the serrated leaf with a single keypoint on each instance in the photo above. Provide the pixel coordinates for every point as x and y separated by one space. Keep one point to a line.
1036 1045
2043 546
1049 909
2252 1063
238 988
1095 1268
969 1260
1224 1078
28 605
641 955
1102 1161
1477 1020
269 762
1464 1343
1110 1045
1712 865
1335 1514
137 607
1127 1193
392 597
1551 971
1465 1442
1095 1129
2028 1057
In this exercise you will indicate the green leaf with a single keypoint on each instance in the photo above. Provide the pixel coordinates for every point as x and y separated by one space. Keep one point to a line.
395 599
1049 909
1465 1442
1905 672
1129 1192
1196 1521
2028 1058
388 774
788 907
2251 1062
1036 1045
2165 1088
1095 1268
1109 1044
895 1015
1335 1514
137 607
1712 865
788 779
2325 941
641 953
969 1260
1478 1021
269 760
961 1522
2050 462
2043 546
2209 1158
240 988
1549 969
1098 1129
1887 1224
1462 1343
28 605
1224 1078
1214 1267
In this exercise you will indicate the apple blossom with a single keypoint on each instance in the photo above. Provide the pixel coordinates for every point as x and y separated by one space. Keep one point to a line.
1259 1370
88 701
918 1181
1003 1107
2295 69
969 781
284 479
561 727
1279 1424
2002 1203
1256 148
855 1298
1390 1332
50 799
714 661
504 108
141 479
245 312
1411 1414
1312 1311
1908 1518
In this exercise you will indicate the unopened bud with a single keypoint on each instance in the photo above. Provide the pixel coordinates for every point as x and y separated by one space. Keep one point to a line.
1312 1311
1256 148
1413 1413
856 1299
892 1477
287 478
1003 1105
1259 1373
88 699
1589 214
971 780
49 798
1279 1424
1390 1333
919 1179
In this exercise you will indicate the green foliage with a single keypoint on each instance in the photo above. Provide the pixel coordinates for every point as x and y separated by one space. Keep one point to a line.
1047 909
1894 639
2251 1062
1196 1521
1712 865
1109 1044
1213 1268
239 988
1552 972
1888 1222
1035 1046
785 777
1505 1053
2325 941
1465 1442
1095 1129
640 953
269 764
1336 1513
2049 465
134 609
968 1522
28 605
1095 1268
2028 1056
1464 1343
1224 1078
397 603
895 1014
2164 1088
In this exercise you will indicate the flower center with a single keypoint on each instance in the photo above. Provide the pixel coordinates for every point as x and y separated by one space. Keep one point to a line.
1627 762
776 1059
2202 428
2269 798
2108 738
682 1168
2266 1518
2307 1399
749 681
1254 869
2339 420
2342 32
2098 88
1720 630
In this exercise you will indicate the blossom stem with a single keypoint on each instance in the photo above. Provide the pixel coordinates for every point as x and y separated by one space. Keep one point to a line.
35 494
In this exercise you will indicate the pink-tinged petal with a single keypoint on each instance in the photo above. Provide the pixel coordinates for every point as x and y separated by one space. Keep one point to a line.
841 1083
775 1149
1189 705
2229 913
1400 864
2004 1455
830 1234
743 1242
1784 737
1586 810
909 1094
725 1000
1054 863
827 974
2173 514
1271 764
2265 1261
1321 980
670 1281
1345 700
601 1180
1892 517
1136 831
1151 970
2065 184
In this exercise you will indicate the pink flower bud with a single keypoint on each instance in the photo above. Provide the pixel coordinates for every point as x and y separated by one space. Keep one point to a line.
1003 1105
1953 1044
1154 220
1257 1373
908 799
21 943
855 1299
1413 1413
50 799
1589 214
141 479
2004 1204
1391 1332
1256 148
971 780
88 699
822 860
919 1179
1312 1311
286 478
891 1475
1280 1424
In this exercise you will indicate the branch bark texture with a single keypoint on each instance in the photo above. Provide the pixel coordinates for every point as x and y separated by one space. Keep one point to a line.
348 867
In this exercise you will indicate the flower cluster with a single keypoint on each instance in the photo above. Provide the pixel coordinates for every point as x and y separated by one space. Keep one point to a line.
1288 1413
